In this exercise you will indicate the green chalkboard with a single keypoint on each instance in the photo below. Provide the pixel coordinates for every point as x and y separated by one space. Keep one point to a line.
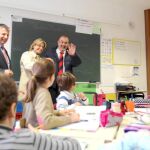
88 46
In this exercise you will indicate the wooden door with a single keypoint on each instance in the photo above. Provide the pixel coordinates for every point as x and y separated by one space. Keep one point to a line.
147 37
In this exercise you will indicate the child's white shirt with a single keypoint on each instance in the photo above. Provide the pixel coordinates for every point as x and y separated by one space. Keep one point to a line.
67 100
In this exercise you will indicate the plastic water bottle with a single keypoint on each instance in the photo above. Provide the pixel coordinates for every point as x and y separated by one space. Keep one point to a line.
17 126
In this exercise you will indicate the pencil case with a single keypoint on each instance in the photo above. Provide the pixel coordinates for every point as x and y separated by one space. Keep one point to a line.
109 118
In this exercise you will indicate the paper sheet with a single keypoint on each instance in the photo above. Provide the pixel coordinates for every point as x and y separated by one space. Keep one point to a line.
89 118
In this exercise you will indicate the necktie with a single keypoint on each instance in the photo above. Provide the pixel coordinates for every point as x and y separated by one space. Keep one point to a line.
5 56
60 65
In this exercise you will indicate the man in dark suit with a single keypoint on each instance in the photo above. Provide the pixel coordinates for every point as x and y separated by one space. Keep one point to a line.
70 60
4 58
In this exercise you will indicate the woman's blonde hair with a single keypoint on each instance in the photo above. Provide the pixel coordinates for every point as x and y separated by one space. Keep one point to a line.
37 42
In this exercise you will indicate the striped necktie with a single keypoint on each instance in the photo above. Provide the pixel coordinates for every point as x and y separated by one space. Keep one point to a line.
60 65
5 56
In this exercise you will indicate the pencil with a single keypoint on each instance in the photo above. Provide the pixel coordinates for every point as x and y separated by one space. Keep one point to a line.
116 132
115 135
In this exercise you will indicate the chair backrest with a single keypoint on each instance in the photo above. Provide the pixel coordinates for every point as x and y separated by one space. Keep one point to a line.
19 110
99 99
139 95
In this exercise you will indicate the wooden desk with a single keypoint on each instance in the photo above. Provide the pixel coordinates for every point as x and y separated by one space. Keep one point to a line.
93 139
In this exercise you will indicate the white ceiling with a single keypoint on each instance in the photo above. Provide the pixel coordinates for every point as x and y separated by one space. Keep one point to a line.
85 9
48 4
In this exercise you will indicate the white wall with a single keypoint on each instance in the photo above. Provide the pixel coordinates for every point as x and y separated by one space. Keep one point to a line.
113 15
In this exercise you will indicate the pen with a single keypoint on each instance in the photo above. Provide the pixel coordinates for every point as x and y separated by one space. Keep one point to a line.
91 113
116 132
83 120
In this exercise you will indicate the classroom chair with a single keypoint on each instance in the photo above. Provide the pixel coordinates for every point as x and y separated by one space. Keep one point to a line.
19 110
138 95
99 99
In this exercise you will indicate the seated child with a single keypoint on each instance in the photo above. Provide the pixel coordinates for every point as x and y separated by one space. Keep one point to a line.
38 107
24 139
67 98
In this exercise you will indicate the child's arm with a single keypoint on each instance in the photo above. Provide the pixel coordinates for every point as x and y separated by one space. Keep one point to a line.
83 98
64 103
61 104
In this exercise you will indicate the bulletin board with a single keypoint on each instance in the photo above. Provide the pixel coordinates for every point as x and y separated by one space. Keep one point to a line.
126 52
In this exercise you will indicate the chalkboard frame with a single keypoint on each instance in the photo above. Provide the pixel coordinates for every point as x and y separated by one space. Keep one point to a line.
88 46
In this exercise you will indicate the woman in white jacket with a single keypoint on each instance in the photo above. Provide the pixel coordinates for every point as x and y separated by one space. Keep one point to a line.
27 60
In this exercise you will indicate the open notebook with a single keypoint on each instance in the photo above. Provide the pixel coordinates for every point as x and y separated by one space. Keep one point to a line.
89 118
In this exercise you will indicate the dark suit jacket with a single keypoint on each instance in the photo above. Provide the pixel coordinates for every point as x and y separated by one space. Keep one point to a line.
69 63
3 64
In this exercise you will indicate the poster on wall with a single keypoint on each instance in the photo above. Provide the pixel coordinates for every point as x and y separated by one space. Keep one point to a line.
106 51
126 52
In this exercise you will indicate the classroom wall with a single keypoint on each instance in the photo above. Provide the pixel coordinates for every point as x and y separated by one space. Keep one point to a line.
114 17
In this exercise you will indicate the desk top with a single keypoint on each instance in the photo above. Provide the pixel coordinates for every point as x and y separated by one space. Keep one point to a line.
93 139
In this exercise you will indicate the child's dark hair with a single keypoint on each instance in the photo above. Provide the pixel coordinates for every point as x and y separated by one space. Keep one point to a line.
8 95
65 81
41 70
